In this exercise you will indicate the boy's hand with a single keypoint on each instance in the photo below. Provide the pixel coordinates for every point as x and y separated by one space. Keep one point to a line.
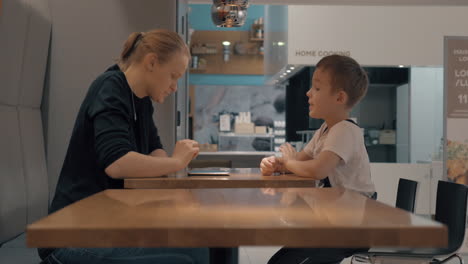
268 165
289 153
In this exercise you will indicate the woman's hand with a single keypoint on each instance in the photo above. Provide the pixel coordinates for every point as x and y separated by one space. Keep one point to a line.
184 151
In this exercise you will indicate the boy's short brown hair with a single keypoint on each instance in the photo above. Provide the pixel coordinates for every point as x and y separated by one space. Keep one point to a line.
347 75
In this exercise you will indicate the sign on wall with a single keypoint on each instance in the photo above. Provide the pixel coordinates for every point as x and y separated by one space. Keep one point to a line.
373 35
456 99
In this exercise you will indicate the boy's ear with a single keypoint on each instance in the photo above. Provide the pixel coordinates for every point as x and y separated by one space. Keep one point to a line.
342 97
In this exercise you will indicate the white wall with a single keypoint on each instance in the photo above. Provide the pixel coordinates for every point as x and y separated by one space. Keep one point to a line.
426 100
375 35
87 37
386 176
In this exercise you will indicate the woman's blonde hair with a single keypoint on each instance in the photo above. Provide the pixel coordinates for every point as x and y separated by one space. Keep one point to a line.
164 43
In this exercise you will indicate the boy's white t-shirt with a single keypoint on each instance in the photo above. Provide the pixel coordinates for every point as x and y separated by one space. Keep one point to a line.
346 140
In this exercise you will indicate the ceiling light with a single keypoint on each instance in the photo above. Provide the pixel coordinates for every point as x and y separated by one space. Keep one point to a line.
280 43
229 13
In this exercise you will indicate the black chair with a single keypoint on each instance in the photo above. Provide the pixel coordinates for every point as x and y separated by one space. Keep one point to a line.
406 194
451 211
405 199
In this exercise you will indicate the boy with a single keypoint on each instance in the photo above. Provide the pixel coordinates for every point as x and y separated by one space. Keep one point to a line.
336 155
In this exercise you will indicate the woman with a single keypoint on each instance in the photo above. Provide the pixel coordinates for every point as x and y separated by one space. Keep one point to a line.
115 138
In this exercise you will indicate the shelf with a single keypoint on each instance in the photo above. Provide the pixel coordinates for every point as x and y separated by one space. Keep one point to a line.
256 39
237 64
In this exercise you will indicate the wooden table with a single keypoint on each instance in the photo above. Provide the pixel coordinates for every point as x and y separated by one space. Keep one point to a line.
238 178
299 217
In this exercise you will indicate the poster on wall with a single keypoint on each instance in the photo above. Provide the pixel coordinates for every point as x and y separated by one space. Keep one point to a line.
456 111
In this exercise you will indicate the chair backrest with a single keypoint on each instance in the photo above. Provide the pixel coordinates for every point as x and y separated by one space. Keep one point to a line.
210 163
24 181
406 194
451 211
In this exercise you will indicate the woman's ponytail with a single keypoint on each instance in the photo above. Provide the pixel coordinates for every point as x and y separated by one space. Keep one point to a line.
164 43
